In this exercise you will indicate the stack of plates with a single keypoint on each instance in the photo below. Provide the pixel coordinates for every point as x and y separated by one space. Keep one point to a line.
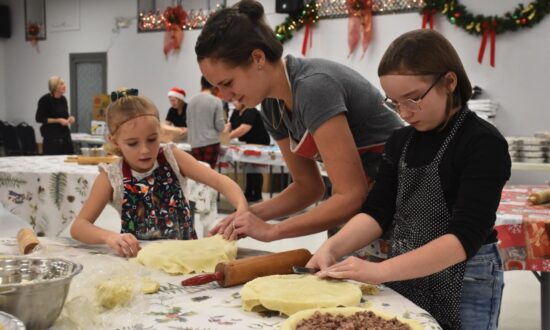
486 109
529 149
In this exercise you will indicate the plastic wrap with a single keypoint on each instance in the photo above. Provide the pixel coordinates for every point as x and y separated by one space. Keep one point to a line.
83 310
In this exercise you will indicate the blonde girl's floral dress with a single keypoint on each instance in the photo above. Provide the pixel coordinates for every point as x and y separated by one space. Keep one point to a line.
152 206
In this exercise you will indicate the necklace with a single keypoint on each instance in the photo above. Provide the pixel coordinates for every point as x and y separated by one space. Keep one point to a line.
281 108
281 113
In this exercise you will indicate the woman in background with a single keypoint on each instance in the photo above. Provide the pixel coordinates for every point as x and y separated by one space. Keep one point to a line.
53 113
177 114
247 125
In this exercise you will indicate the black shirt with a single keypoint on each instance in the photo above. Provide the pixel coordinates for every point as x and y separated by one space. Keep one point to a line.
51 107
473 172
250 116
177 119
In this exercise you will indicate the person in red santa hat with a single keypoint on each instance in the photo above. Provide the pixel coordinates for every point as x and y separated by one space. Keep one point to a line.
177 114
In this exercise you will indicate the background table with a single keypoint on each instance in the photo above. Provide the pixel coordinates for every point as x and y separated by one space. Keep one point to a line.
176 307
88 138
524 239
48 193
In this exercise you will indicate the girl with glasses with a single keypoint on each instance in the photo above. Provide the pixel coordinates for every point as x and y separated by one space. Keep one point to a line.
436 193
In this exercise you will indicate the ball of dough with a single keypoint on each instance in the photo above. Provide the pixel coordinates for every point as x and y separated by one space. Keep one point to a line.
149 286
110 294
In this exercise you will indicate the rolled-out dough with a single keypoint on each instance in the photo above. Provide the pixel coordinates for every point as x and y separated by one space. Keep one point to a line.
292 321
184 257
289 294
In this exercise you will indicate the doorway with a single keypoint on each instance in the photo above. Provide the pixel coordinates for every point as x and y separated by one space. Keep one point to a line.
88 78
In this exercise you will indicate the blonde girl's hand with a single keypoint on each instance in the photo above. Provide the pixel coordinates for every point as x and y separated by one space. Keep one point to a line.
357 269
125 245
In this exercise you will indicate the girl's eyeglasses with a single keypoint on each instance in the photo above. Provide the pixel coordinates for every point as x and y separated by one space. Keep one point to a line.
410 104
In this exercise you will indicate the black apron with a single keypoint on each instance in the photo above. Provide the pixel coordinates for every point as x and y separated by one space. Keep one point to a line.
422 216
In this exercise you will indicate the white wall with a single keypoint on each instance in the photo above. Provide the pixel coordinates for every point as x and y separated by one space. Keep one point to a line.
3 111
518 82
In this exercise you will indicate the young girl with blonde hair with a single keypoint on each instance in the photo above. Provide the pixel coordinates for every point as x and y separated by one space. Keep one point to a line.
146 186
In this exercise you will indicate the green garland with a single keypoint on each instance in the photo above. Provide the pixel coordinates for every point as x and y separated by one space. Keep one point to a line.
309 15
458 14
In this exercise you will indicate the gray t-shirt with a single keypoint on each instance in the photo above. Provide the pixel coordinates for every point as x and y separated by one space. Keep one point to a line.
204 120
321 89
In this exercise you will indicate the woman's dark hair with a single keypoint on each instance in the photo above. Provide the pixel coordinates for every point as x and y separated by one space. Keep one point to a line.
426 52
205 84
231 35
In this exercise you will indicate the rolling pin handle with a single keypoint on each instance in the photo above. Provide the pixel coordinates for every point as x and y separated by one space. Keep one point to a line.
203 279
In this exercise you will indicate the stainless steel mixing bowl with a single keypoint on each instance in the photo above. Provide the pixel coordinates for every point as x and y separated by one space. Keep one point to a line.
10 322
34 289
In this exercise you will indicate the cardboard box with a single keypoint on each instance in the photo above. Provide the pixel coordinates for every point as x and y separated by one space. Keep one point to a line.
99 104
170 134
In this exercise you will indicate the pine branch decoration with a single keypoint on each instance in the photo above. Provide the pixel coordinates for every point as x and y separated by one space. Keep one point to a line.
7 180
58 183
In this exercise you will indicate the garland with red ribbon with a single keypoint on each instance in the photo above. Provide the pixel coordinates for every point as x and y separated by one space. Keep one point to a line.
487 26
175 18
359 22
307 18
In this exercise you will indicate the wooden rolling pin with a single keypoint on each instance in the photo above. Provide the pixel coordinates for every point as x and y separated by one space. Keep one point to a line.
539 197
94 160
26 240
243 270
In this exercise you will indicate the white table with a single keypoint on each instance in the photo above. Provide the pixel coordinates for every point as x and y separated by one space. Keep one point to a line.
175 307
48 193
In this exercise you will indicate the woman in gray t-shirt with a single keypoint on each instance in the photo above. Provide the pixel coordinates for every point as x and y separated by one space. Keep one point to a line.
315 109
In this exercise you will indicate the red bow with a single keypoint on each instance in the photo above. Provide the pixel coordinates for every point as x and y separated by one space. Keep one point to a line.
360 20
175 18
428 18
488 30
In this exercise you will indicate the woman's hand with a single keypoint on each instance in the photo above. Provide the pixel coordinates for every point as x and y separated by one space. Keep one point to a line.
248 224
222 225
357 269
125 245
70 120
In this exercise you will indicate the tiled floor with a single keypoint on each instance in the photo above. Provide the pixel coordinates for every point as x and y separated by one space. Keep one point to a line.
521 301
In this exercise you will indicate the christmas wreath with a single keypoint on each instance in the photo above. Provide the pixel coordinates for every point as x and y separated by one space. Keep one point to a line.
307 18
521 17
486 26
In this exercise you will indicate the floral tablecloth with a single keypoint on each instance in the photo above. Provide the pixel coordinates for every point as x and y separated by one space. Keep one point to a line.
48 193
523 230
174 307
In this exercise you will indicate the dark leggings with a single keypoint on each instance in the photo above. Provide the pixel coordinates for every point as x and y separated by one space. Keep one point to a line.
58 146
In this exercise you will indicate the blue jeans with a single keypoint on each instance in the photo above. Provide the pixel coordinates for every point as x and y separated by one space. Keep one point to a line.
482 290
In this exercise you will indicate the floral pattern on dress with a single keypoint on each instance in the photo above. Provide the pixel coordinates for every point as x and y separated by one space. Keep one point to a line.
155 207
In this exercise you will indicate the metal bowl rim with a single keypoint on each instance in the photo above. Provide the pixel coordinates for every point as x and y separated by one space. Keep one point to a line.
77 268
18 322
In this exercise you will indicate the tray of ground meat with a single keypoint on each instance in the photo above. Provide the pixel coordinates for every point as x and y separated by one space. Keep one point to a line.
347 318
